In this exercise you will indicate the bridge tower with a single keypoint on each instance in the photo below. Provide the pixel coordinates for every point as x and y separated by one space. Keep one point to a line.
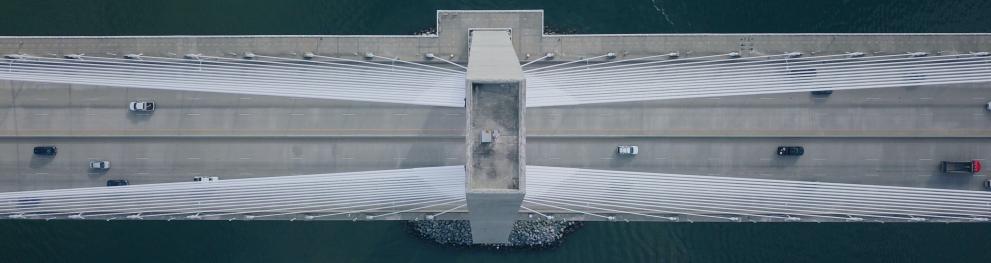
495 144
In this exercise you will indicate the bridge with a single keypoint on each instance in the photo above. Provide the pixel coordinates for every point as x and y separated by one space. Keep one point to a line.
492 120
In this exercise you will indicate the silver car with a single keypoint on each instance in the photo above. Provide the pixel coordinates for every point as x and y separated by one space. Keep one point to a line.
141 106
99 164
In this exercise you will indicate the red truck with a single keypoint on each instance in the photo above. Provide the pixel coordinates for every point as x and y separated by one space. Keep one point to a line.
970 167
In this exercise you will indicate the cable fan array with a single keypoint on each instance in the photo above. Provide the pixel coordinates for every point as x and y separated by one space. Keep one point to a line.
641 79
375 194
603 193
319 77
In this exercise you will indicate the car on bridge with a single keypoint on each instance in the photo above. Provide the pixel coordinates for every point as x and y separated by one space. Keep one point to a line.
629 150
99 164
206 179
791 150
970 167
117 182
141 106
45 150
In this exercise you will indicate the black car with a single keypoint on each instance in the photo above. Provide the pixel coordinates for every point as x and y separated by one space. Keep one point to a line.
118 182
790 150
822 92
45 150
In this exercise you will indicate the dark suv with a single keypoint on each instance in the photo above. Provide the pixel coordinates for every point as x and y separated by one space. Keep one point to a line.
45 150
118 182
790 150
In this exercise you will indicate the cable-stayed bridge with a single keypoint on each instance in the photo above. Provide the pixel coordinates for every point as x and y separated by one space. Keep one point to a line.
492 121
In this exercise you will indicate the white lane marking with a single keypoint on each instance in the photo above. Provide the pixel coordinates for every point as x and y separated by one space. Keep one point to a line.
872 175
296 114
977 98
400 114
660 158
555 158
245 158
924 175
141 158
768 98
452 114
90 114
296 158
605 158
715 98
452 158
244 114
925 159
41 173
142 173
765 159
348 158
40 114
765 174
244 98
872 98
193 158
192 114
349 114
925 98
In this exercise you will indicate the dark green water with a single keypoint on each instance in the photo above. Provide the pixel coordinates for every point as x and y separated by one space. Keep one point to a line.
128 241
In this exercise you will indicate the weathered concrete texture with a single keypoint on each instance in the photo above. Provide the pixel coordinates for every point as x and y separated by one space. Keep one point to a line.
496 164
527 29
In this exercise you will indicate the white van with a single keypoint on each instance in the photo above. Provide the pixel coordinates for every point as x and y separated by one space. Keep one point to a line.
628 150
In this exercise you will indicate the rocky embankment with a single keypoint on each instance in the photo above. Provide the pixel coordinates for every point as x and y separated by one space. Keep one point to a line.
525 233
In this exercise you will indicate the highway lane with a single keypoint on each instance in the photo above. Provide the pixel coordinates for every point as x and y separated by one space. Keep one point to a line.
57 109
847 135
37 109
948 110
159 160
910 162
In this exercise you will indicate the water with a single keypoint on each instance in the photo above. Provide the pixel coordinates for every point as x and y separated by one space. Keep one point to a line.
205 241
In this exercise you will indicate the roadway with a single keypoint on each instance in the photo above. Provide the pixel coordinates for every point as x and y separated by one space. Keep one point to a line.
887 136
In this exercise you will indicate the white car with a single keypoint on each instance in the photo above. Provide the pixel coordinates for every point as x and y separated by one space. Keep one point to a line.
629 150
141 106
989 105
206 179
99 164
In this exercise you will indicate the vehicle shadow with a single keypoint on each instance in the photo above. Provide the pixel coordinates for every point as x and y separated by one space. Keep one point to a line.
40 161
619 160
96 172
137 117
